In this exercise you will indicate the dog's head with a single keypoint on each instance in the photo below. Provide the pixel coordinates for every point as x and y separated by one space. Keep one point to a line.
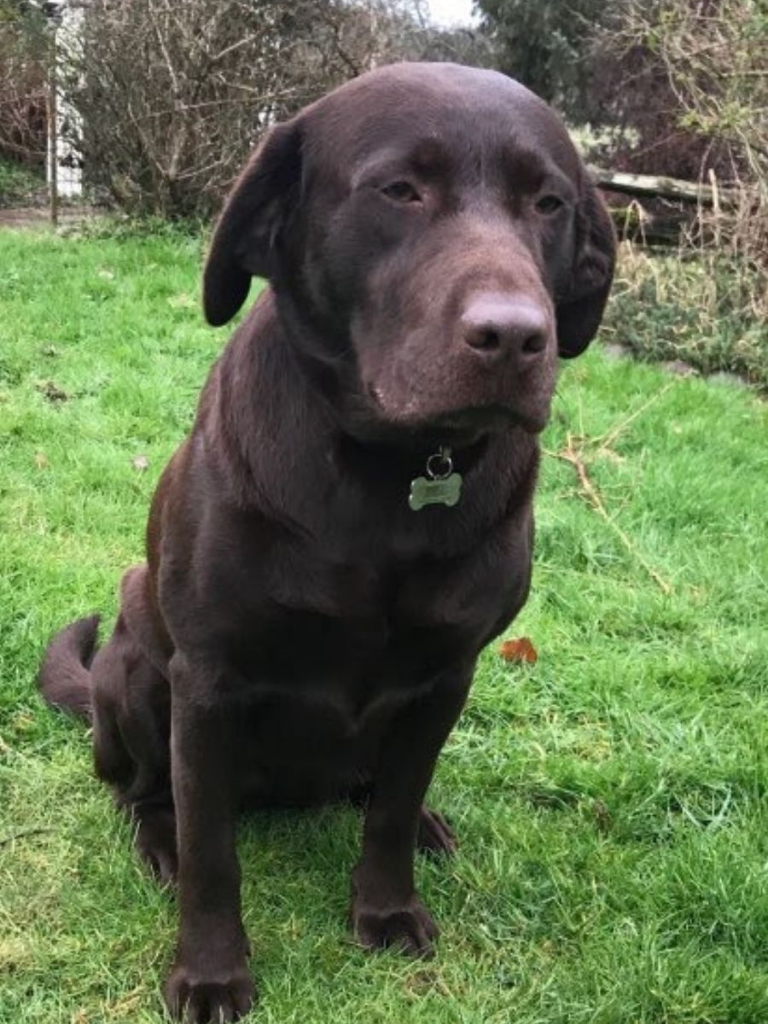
433 242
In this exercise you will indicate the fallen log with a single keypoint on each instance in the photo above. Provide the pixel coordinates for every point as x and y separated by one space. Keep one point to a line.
635 224
660 187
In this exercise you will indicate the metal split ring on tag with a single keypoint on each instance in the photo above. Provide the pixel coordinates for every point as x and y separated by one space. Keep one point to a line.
441 486
440 465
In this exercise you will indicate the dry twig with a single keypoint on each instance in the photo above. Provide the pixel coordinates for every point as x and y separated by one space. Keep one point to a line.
573 456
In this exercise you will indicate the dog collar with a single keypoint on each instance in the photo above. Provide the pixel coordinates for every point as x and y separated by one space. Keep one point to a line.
440 486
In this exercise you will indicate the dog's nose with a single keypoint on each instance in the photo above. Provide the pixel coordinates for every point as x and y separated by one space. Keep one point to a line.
500 327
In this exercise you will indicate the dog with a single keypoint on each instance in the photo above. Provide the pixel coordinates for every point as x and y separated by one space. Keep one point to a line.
350 520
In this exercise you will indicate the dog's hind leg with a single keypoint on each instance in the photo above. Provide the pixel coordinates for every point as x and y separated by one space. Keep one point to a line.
131 725
435 835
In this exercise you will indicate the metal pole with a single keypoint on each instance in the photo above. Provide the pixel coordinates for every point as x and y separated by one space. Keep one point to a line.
53 132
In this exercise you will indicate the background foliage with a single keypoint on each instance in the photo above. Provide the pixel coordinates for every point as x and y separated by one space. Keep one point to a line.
170 97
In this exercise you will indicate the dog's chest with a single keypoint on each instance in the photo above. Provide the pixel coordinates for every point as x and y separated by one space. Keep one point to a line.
351 647
342 647
323 698
326 652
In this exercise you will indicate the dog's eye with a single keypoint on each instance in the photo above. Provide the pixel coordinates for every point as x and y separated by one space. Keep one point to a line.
549 204
401 192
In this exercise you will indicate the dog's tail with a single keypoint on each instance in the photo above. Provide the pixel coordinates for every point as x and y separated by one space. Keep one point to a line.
64 678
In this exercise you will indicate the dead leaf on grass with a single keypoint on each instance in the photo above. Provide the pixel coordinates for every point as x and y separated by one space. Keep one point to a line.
520 650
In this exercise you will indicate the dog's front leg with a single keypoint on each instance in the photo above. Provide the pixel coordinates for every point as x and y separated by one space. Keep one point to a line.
210 979
386 909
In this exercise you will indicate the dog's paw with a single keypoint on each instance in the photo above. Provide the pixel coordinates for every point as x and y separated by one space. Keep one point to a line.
209 997
409 927
156 845
435 835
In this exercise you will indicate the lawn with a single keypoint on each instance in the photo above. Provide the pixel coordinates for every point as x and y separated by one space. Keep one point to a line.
611 800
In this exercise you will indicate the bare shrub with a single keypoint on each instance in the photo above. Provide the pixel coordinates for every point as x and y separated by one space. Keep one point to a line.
24 52
712 56
172 94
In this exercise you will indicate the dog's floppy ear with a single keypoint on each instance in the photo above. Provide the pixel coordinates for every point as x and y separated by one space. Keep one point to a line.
243 244
579 309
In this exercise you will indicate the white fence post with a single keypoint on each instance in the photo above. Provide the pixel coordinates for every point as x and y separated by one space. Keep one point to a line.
65 162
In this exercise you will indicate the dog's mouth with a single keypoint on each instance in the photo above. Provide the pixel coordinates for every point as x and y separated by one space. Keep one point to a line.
460 427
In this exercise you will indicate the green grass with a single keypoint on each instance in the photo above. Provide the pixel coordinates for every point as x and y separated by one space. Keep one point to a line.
612 800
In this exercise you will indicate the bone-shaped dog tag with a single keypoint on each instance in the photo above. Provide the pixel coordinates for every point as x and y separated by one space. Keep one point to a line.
434 492
441 486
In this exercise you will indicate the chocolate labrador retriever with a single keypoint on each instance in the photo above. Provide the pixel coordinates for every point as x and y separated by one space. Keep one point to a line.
349 521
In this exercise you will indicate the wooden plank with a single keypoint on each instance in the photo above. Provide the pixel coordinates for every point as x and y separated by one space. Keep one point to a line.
652 186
